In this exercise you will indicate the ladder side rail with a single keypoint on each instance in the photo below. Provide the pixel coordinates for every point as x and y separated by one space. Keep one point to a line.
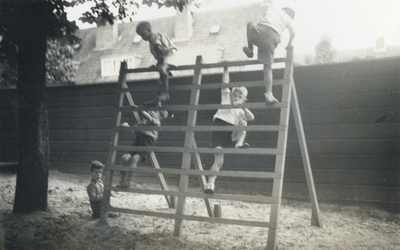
112 153
154 162
315 214
189 140
202 179
153 158
280 158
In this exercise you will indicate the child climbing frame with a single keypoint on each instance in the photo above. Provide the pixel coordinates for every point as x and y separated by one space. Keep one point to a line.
191 153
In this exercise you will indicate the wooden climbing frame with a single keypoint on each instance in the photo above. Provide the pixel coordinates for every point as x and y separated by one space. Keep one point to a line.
191 153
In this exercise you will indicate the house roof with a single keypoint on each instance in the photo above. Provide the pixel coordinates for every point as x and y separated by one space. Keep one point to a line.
225 45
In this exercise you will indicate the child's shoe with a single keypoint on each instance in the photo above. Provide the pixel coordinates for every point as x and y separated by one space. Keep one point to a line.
249 53
269 98
124 184
153 103
163 96
209 188
245 145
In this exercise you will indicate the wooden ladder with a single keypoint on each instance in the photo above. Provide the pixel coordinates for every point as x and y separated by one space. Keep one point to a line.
191 153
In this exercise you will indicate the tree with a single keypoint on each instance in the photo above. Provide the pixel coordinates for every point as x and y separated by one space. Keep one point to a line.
324 51
25 26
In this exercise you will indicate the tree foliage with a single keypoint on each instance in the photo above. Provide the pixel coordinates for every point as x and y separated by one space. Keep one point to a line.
60 64
324 51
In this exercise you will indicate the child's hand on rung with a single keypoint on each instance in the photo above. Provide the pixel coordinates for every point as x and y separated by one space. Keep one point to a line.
125 125
237 103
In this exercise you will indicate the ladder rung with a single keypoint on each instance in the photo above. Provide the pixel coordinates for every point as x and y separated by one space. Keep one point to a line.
231 197
193 218
254 105
153 88
247 151
264 128
241 174
208 65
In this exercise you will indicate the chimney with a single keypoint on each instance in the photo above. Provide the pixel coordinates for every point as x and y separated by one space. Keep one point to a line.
380 45
183 28
106 36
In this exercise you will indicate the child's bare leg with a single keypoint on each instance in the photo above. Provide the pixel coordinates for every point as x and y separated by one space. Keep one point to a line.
252 31
240 136
162 95
268 78
125 161
133 164
218 162
162 67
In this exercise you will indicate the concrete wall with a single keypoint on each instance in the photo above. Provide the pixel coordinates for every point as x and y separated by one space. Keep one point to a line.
350 111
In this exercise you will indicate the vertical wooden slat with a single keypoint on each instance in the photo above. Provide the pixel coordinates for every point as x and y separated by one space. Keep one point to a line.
202 180
189 142
161 179
153 158
281 156
113 142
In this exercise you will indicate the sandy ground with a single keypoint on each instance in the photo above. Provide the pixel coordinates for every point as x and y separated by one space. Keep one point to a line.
69 224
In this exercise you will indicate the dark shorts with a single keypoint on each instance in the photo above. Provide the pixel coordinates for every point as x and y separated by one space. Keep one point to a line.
96 207
142 140
266 40
222 138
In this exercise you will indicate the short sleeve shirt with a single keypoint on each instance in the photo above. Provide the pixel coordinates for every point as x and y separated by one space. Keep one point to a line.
166 44
277 20
233 115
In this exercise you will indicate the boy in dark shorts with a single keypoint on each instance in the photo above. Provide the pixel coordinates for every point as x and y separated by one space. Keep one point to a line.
266 35
95 188
228 139
163 51
142 138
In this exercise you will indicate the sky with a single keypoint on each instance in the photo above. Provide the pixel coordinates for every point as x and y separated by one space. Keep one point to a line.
351 24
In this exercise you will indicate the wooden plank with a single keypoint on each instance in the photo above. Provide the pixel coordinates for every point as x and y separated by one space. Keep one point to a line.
249 151
111 152
161 179
199 172
315 218
207 65
80 112
258 105
345 101
9 163
280 159
176 88
189 142
185 194
263 128
193 218
79 101
202 179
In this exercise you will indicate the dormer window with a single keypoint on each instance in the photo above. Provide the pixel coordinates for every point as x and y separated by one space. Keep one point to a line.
110 66
215 29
